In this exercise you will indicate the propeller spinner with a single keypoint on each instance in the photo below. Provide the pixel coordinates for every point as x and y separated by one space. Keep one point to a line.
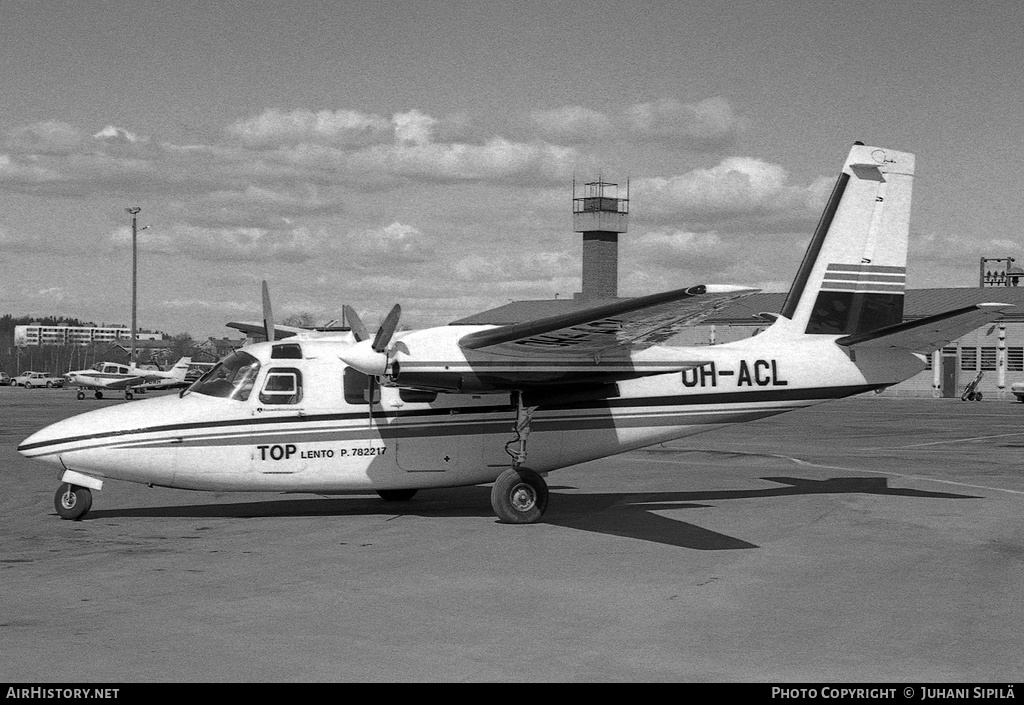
371 357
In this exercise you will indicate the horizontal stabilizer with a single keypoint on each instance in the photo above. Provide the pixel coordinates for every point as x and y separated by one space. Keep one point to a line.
927 334
259 329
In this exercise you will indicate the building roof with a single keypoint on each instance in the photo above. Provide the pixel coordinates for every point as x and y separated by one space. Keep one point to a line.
919 303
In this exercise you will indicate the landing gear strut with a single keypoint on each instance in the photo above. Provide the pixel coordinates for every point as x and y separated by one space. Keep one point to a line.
72 501
519 495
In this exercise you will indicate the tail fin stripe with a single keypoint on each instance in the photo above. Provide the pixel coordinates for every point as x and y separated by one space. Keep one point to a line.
870 288
875 268
853 278
811 256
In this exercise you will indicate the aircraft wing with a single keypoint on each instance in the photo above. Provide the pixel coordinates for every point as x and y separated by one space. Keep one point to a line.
632 324
122 383
927 334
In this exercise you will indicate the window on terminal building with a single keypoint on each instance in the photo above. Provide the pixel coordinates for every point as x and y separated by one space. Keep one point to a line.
969 359
988 359
1015 359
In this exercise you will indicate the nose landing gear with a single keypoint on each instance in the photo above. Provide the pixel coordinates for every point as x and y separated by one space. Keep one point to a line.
72 502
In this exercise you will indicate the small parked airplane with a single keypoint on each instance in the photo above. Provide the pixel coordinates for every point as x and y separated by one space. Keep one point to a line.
329 412
112 376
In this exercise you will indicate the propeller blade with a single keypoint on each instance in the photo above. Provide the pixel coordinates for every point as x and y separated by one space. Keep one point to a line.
268 315
387 329
355 324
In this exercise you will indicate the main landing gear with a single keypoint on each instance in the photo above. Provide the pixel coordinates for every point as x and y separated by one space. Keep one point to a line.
72 502
519 495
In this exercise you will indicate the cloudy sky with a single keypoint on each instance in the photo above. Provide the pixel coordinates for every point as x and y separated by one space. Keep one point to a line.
423 152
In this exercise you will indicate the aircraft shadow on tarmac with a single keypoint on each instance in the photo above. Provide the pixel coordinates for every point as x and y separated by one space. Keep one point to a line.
626 514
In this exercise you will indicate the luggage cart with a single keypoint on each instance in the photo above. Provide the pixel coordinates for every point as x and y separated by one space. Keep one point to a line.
970 391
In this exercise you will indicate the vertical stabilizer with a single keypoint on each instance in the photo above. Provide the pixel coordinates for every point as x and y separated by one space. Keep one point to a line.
180 369
853 276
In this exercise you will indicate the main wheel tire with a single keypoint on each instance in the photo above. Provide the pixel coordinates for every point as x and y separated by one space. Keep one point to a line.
72 502
397 495
977 396
98 394
81 394
519 496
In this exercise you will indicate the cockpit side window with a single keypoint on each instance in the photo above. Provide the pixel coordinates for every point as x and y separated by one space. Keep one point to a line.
283 385
231 378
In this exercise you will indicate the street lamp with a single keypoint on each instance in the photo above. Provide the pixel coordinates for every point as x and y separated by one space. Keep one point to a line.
134 212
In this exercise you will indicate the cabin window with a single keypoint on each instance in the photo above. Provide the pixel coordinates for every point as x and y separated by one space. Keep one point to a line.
282 386
231 378
287 351
357 388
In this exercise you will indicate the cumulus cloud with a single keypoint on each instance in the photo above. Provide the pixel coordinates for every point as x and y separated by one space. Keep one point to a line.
47 138
115 135
380 248
736 188
413 128
573 124
706 125
709 123
375 248
498 159
236 244
10 243
343 128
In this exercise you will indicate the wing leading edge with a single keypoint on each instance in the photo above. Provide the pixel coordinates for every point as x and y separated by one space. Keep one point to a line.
633 324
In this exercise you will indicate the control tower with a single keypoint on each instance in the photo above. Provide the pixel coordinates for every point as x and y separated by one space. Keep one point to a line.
600 215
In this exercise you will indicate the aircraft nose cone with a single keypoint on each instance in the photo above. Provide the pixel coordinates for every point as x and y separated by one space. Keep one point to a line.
36 445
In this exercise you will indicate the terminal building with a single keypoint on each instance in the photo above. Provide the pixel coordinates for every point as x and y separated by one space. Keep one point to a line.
996 351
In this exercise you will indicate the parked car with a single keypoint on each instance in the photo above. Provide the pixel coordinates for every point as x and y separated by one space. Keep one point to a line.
5 379
1018 390
37 379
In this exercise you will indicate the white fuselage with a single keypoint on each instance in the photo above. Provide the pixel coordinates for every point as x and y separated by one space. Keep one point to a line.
327 440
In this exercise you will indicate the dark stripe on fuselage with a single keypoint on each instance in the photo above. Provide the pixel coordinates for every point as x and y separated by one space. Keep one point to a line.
426 415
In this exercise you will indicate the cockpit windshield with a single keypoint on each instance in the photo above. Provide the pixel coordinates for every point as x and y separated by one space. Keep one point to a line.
231 378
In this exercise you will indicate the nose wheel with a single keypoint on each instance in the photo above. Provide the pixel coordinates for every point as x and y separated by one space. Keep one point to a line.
72 502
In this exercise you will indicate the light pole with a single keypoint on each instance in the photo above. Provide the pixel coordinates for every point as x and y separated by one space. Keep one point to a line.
134 211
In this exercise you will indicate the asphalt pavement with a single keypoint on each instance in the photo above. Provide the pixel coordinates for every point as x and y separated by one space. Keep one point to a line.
867 540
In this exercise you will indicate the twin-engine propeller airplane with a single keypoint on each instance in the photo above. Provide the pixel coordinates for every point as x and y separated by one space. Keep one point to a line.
328 412
111 376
